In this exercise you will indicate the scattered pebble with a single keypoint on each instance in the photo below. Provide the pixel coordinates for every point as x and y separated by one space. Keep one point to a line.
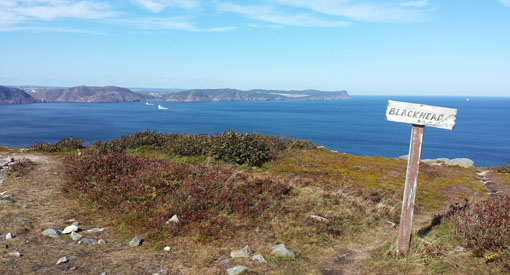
173 219
259 259
10 236
15 254
75 236
101 242
69 229
62 260
281 251
52 232
88 241
458 248
319 218
93 230
241 253
236 270
167 248
135 241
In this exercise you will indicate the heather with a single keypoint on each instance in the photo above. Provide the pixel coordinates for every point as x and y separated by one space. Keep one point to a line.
62 145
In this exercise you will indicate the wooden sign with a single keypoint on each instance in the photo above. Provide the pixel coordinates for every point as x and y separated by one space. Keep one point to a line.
420 116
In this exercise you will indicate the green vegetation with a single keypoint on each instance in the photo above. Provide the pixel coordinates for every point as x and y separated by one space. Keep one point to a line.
143 179
64 145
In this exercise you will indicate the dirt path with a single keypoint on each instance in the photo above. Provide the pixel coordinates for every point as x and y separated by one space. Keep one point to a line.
494 185
34 202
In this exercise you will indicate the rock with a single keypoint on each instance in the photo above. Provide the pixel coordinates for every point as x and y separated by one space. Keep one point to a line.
93 230
5 201
241 253
52 232
135 241
167 248
259 259
458 248
173 219
75 236
236 270
319 218
69 229
76 223
10 236
462 162
101 242
88 241
281 251
404 157
226 261
15 254
62 260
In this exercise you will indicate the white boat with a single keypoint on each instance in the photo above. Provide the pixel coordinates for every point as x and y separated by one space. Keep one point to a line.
161 107
147 103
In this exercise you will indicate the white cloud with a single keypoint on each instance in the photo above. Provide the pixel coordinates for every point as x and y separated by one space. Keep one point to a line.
170 23
505 2
159 5
360 11
50 29
419 3
270 14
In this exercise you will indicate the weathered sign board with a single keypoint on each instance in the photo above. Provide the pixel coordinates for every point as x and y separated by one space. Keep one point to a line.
419 116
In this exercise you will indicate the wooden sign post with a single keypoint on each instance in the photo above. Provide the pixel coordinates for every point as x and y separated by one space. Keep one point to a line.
419 116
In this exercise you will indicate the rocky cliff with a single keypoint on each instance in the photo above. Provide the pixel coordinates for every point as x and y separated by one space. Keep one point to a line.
16 96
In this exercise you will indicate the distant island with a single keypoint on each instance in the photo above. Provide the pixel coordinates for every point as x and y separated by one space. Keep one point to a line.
22 95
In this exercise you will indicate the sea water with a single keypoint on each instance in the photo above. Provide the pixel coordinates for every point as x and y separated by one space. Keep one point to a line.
356 126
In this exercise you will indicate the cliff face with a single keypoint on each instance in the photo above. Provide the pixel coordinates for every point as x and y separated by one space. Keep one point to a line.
252 95
89 94
16 96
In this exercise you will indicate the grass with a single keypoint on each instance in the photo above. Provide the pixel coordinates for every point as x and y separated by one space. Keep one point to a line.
223 205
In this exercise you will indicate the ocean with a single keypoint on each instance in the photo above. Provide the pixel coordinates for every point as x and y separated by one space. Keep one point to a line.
355 126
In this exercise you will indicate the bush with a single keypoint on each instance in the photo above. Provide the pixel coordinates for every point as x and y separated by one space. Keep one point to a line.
248 148
20 167
145 193
504 169
484 227
62 145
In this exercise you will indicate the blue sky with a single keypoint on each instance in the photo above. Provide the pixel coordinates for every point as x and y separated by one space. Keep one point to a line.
411 47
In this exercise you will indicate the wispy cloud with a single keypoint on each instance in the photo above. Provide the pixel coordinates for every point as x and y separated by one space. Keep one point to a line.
159 5
419 3
363 10
50 29
271 14
505 2
170 23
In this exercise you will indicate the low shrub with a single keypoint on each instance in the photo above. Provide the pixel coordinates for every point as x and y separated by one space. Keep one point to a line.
20 167
505 169
249 148
145 193
62 145
484 227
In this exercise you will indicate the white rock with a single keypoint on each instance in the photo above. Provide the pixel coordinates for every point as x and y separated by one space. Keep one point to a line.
236 270
101 241
135 241
15 254
9 236
69 229
319 218
241 253
93 230
52 232
173 219
62 260
281 251
259 259
75 236
167 248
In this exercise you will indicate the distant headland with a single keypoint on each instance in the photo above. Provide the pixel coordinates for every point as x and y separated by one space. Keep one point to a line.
23 95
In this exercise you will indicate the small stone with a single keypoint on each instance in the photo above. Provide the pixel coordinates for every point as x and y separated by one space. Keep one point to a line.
226 261
15 254
236 270
319 218
69 229
76 223
167 248
93 230
101 242
281 251
75 236
10 236
52 232
26 222
135 241
62 260
241 253
72 257
88 241
458 248
259 259
5 201
173 219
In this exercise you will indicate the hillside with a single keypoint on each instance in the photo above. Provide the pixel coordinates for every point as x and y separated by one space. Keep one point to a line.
205 95
215 203
16 96
88 94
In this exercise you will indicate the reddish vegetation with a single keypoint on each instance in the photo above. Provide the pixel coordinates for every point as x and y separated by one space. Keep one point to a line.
485 227
146 193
